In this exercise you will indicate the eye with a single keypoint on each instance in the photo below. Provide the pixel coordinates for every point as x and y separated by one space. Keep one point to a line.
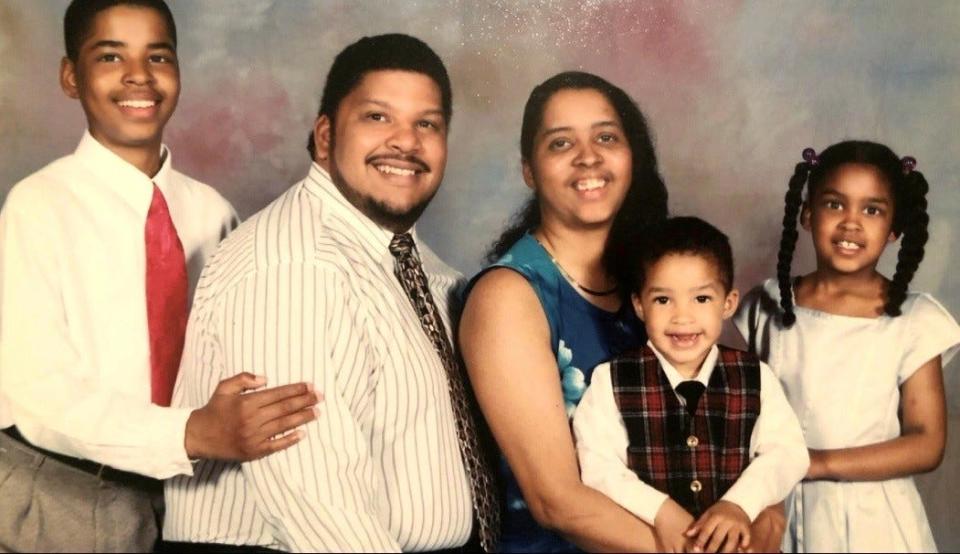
376 116
832 204
109 57
873 210
608 138
704 298
161 58
559 144
662 300
427 124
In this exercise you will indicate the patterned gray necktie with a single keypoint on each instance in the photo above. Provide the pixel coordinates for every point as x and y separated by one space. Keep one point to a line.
409 272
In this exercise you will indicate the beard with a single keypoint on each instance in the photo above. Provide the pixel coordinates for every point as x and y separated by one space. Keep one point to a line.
381 213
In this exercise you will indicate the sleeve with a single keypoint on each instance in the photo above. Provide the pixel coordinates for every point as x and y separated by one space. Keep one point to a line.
43 377
292 323
602 450
931 331
779 457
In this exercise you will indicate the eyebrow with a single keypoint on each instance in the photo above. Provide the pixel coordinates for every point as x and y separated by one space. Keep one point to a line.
119 44
873 199
608 123
655 290
383 104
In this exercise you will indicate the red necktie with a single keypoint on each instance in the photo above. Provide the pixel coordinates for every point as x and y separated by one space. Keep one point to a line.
166 299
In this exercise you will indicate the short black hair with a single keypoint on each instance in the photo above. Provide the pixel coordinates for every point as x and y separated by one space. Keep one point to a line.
675 235
78 21
381 52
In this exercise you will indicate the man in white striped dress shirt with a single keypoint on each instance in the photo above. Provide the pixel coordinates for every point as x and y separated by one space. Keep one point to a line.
306 290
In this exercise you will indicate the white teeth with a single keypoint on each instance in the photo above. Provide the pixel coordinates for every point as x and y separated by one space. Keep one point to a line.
590 184
137 103
389 169
848 245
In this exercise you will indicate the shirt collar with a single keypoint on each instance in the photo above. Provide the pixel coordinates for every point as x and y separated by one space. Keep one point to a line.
374 238
703 376
121 176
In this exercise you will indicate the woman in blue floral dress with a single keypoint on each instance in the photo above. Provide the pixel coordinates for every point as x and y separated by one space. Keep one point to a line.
539 319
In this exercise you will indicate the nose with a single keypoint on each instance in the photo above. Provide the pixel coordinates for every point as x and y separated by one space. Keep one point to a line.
681 313
851 220
138 72
404 139
587 155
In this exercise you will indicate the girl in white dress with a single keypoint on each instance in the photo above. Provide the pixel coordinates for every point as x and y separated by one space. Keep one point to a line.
853 349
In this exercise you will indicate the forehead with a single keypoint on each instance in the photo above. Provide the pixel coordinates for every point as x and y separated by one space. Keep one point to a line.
398 89
680 271
128 24
857 180
577 108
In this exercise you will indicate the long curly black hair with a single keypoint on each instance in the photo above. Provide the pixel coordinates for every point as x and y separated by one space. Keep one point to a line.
910 217
646 199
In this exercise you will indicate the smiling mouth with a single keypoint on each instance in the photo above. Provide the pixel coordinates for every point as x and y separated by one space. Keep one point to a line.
137 104
683 340
848 245
594 183
394 170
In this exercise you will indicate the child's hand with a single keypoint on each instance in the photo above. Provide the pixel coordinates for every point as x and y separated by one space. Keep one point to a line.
669 526
724 527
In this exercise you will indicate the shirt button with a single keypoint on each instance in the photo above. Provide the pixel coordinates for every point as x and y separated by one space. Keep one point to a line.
696 486
693 441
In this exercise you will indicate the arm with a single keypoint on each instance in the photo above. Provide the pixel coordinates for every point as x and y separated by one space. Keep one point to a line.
314 497
918 449
602 444
53 393
505 342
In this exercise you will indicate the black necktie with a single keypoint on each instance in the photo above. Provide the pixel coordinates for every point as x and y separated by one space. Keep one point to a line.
691 391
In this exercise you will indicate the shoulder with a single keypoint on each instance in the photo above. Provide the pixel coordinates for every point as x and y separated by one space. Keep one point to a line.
735 356
204 196
922 307
501 286
764 297
35 198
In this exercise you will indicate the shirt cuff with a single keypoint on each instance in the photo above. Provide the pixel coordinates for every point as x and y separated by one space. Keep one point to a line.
173 447
642 500
750 505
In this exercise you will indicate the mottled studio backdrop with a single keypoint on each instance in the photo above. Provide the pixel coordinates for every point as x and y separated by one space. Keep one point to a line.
733 90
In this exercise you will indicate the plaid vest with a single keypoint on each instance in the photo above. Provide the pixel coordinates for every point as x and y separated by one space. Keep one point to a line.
694 460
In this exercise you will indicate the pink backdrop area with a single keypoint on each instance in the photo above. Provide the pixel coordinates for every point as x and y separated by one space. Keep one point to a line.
734 91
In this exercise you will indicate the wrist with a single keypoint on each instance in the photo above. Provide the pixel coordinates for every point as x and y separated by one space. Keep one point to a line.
191 442
819 467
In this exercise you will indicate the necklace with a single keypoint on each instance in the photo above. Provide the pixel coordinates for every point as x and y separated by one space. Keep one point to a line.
570 278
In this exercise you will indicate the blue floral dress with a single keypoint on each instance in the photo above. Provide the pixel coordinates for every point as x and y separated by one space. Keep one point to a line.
582 336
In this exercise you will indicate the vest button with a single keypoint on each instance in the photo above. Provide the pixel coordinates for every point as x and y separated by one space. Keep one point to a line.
693 441
696 486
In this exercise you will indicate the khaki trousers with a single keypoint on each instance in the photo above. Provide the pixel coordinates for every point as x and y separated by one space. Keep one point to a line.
49 506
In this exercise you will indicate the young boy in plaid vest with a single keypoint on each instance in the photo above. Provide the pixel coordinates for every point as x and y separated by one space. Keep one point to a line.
691 437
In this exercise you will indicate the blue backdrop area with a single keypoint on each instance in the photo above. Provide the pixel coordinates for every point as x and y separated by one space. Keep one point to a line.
733 90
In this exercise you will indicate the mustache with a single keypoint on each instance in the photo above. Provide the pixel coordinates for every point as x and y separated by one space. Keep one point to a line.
408 158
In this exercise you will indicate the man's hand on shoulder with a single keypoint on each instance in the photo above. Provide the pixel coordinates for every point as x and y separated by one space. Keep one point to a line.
240 423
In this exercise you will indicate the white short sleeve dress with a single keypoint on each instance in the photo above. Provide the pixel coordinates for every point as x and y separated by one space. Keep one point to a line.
842 376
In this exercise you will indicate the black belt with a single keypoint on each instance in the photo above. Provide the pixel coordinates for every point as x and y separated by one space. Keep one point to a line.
101 471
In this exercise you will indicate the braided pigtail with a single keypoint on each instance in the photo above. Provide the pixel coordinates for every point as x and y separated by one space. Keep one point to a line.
913 227
788 240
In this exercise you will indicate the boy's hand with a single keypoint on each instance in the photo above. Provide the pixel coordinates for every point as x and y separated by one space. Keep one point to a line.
669 526
724 527
241 427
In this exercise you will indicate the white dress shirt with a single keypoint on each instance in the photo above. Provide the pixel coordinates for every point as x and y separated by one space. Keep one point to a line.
74 341
778 455
305 291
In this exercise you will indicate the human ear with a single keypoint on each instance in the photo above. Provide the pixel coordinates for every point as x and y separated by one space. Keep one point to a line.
805 215
730 303
321 138
637 306
68 78
528 175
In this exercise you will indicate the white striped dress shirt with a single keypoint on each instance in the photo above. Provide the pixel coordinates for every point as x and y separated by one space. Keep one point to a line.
305 291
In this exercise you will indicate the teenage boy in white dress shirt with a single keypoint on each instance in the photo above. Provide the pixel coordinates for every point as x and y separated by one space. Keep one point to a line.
94 251
691 437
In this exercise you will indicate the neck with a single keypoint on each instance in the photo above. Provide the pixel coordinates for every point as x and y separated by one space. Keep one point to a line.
833 283
580 252
145 158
